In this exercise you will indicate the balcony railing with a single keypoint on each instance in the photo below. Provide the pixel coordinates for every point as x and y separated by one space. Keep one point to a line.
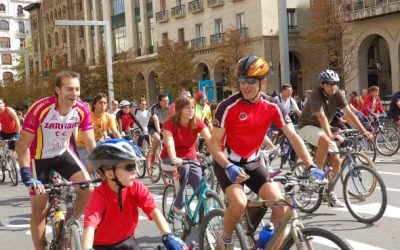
178 11
150 49
292 28
162 16
196 6
138 52
244 32
215 3
217 38
360 9
20 14
198 42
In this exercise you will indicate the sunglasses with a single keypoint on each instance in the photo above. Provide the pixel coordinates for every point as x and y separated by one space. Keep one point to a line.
331 84
129 167
249 80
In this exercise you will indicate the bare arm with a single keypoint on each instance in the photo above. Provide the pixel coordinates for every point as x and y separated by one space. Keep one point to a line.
215 146
205 132
297 144
160 221
88 238
88 139
324 123
169 143
23 144
13 115
268 142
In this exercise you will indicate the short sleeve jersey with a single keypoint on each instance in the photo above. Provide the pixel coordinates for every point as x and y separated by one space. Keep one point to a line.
162 114
100 127
127 120
290 104
318 102
110 223
7 122
184 139
142 117
53 131
246 124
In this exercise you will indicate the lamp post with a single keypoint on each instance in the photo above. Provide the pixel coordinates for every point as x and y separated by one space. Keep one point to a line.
283 41
26 53
107 27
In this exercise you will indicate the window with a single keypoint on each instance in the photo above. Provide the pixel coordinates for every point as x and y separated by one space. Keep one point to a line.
119 37
5 42
218 26
48 41
181 36
83 56
117 7
79 5
6 59
240 20
291 18
4 25
199 30
65 59
20 11
64 36
2 7
81 32
139 39
56 39
7 77
21 27
164 36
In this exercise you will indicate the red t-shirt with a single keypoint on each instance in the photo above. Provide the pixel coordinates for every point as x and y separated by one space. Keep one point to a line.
8 124
184 139
246 124
126 120
103 213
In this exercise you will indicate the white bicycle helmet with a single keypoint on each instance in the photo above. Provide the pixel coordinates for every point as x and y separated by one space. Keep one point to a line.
328 75
124 103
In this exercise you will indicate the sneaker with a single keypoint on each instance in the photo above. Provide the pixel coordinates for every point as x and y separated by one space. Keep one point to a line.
316 174
179 210
334 201
223 245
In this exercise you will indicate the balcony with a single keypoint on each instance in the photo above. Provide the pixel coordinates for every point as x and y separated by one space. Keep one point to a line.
362 9
244 32
178 11
196 6
292 29
138 52
215 3
162 16
150 49
198 43
217 39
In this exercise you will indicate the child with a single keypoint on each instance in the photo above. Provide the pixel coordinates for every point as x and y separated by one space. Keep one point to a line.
111 215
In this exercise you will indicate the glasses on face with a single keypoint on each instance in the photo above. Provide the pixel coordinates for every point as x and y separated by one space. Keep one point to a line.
331 84
249 80
129 167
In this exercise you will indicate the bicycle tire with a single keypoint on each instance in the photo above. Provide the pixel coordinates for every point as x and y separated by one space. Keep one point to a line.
308 198
2 174
154 172
217 204
175 221
308 234
364 160
141 168
361 215
205 233
12 169
368 147
74 242
382 140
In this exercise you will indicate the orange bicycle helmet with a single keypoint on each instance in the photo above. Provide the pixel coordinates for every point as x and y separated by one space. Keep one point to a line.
252 66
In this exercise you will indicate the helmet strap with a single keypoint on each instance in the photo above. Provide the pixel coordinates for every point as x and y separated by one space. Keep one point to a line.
250 101
120 188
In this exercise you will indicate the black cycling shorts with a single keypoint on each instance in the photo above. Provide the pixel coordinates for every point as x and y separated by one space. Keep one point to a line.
66 164
128 244
258 176
5 136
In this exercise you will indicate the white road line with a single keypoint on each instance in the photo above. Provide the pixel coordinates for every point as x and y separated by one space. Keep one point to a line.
388 173
391 189
391 211
363 246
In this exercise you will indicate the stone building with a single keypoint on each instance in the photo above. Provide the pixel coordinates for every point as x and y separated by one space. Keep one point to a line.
14 29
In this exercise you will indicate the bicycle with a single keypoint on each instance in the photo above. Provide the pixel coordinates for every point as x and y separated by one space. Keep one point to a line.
203 199
136 134
8 163
387 140
299 237
66 230
364 191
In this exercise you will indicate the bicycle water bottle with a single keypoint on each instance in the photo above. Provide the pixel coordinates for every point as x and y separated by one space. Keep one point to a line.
58 218
267 232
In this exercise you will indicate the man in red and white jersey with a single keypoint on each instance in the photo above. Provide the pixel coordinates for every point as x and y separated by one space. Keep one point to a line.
240 124
9 124
44 146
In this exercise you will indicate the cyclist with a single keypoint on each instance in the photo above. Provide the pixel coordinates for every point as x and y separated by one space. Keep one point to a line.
314 123
241 122
102 123
372 105
285 97
142 115
44 146
394 109
180 134
9 124
126 119
112 214
159 114
202 109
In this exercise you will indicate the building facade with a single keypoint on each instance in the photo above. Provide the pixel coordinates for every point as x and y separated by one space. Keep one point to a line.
375 31
139 26
14 30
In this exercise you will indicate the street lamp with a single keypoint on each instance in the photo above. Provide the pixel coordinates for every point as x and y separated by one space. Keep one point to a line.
283 41
107 26
26 53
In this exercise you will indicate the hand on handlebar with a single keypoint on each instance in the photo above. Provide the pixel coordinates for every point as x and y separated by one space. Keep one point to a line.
177 162
235 174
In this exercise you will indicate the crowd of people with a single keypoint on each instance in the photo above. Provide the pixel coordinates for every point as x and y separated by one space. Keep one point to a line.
61 133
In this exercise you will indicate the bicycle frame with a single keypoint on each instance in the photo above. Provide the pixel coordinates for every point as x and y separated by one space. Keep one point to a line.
349 165
200 192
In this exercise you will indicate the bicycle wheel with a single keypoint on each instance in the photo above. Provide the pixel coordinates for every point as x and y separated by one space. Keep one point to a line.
369 198
387 142
211 202
2 174
175 220
211 229
208 172
308 196
141 168
12 169
73 238
154 171
359 159
367 146
315 238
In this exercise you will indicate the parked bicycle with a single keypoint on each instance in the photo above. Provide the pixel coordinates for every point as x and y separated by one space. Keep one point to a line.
299 237
8 163
197 204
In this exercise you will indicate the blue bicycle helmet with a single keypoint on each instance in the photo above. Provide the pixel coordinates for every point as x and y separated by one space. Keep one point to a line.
328 75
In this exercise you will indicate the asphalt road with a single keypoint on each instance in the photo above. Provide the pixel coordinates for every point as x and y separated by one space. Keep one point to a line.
384 234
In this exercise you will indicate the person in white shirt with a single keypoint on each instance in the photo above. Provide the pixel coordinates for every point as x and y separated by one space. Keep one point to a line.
143 115
285 97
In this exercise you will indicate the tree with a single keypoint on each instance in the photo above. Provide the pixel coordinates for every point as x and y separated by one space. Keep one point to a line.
326 39
20 67
175 66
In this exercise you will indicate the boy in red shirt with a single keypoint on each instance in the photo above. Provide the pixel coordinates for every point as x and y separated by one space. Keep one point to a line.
111 215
